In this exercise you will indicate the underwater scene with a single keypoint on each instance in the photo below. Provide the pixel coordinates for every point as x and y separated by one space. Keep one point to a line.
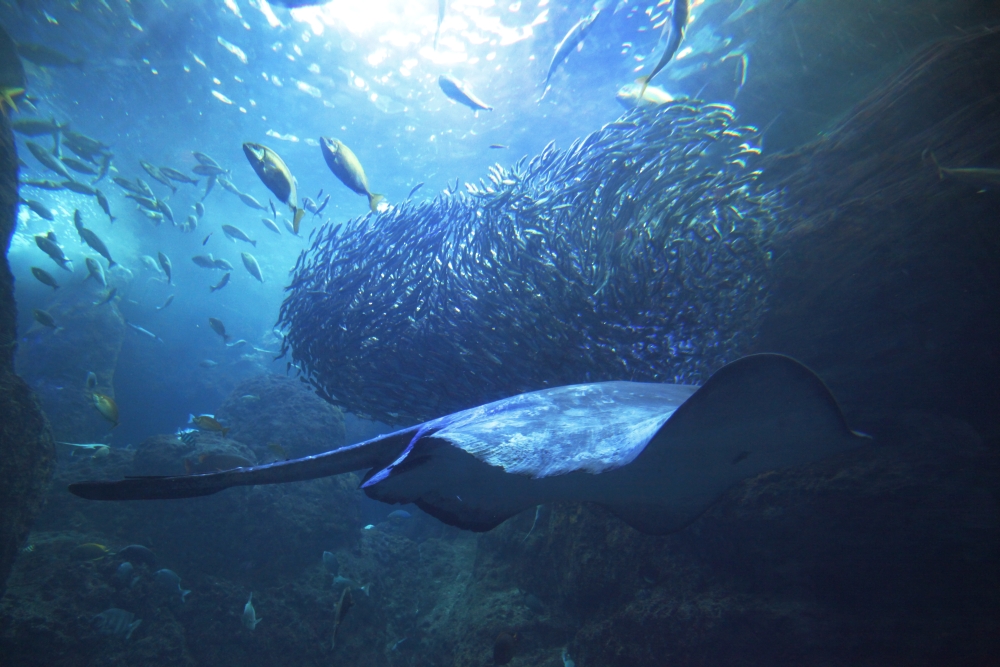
458 333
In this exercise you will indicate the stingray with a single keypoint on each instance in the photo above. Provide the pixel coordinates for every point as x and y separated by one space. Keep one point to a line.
656 455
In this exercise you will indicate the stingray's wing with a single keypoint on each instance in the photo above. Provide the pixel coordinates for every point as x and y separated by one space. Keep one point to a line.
762 412
376 452
595 443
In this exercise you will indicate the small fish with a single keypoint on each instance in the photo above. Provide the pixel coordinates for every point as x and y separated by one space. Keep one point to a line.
158 175
39 209
442 6
228 186
414 189
208 170
207 238
309 205
169 581
112 293
222 283
44 277
274 211
199 209
270 224
250 619
78 166
399 514
91 239
124 573
208 423
79 188
166 266
50 246
345 165
251 202
104 204
205 160
273 172
107 407
128 185
457 90
95 271
208 363
44 318
91 384
105 167
219 328
278 450
628 96
170 300
237 234
98 450
137 553
250 262
164 208
36 127
89 551
319 209
178 176
676 27
116 622
48 160
43 184
568 43
144 332
498 146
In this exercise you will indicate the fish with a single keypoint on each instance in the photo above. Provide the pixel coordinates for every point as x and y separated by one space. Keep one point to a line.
94 241
36 127
95 271
48 160
99 450
166 266
89 551
457 90
50 247
44 277
116 622
330 563
45 56
274 211
206 161
104 204
112 293
124 573
251 202
628 96
158 175
199 209
78 166
106 406
345 165
144 332
222 265
190 224
79 188
170 300
309 205
205 240
164 208
91 383
137 553
208 423
250 619
83 146
252 267
568 43
104 169
273 172
169 581
476 468
222 283
270 224
178 176
275 448
209 170
345 603
39 209
414 189
219 328
237 234
44 184
442 6
676 28
208 363
399 514
128 185
228 186
290 227
498 146
319 209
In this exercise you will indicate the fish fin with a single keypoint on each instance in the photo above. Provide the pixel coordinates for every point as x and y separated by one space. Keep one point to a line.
297 218
111 263
644 82
253 243
373 201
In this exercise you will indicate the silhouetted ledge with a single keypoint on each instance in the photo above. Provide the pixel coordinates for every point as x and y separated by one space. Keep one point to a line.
27 453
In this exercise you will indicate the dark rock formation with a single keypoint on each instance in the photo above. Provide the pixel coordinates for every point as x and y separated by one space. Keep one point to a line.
274 409
26 448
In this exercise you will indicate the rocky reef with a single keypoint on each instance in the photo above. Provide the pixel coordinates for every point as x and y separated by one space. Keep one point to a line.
26 447
271 409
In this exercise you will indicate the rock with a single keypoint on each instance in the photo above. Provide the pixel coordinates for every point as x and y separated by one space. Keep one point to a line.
273 409
27 452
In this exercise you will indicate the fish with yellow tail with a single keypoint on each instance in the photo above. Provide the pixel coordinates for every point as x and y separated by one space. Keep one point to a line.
107 407
677 25
219 327
345 165
208 423
273 172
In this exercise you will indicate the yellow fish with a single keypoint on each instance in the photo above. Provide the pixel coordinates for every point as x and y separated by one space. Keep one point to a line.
107 407
89 551
278 450
7 96
209 423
